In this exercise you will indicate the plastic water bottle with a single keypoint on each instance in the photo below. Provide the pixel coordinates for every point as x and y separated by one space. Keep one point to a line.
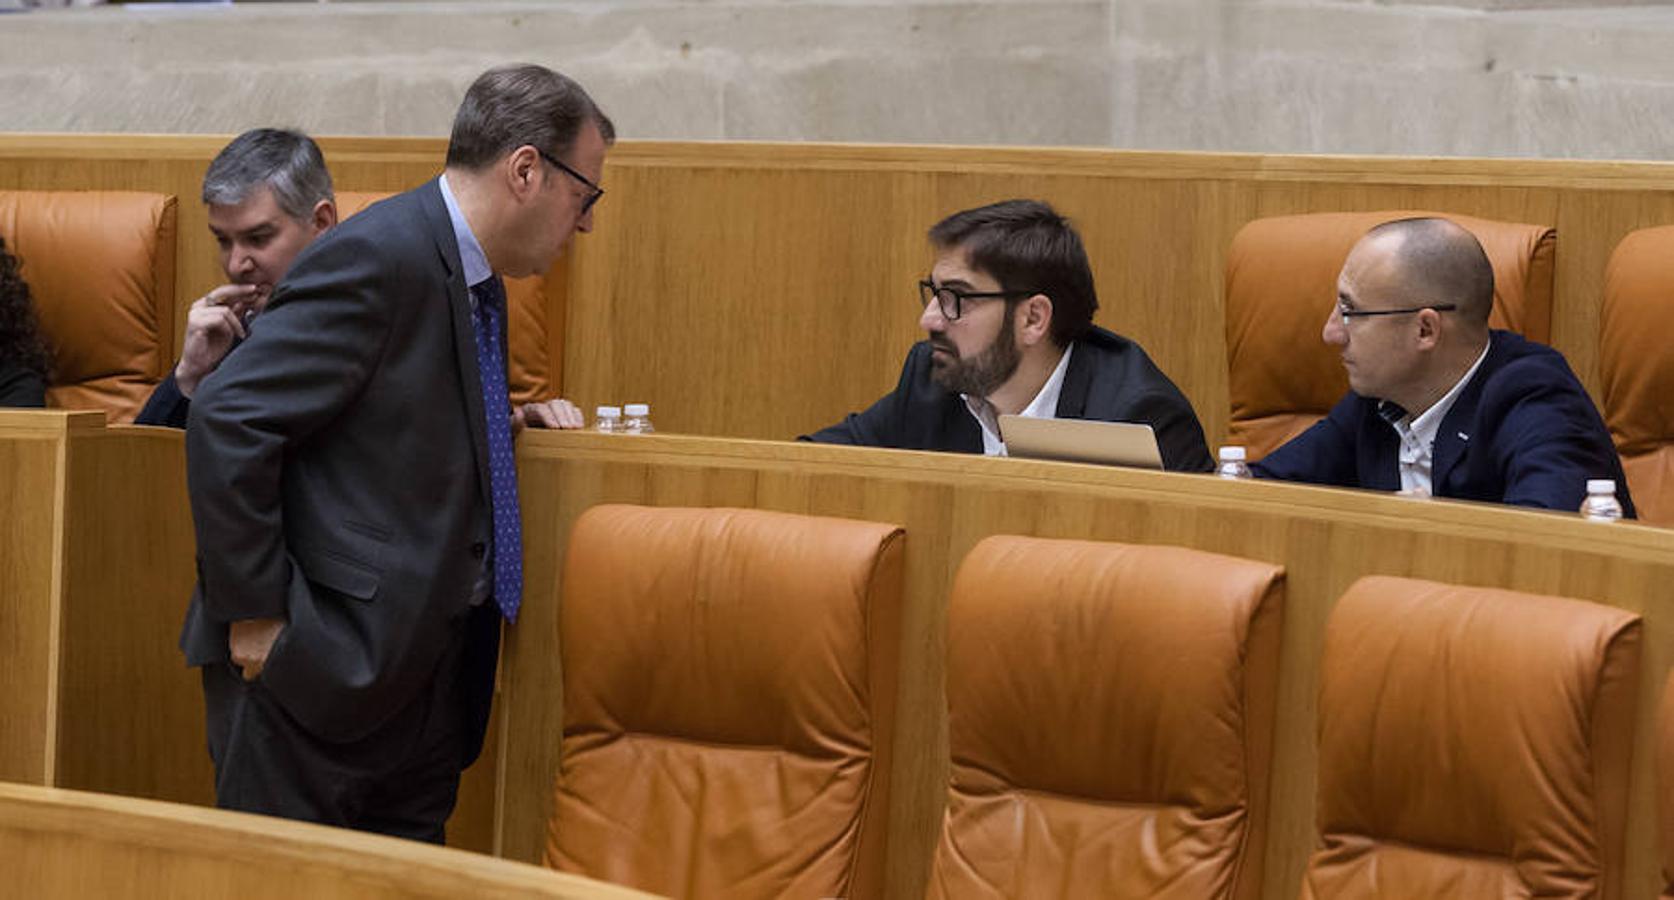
1601 505
608 420
638 419
1232 463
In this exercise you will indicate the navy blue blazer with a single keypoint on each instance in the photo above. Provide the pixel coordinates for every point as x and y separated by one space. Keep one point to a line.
1523 432
166 406
1109 378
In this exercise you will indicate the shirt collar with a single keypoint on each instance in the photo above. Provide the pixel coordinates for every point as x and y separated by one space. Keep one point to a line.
470 252
1044 406
1425 426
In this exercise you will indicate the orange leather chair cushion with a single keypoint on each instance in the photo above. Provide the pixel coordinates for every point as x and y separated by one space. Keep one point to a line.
1637 366
100 267
1281 282
1472 743
1110 721
535 331
729 690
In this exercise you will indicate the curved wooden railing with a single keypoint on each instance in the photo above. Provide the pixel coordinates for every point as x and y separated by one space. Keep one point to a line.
70 844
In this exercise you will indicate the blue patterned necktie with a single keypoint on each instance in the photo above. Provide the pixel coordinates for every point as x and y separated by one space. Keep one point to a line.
502 466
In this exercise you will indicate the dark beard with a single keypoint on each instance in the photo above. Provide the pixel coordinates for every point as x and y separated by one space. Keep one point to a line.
983 373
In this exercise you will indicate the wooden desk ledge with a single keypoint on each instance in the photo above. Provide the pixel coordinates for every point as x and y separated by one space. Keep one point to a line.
58 843
1202 490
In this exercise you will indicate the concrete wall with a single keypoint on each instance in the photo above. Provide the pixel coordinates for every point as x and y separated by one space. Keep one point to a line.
1326 76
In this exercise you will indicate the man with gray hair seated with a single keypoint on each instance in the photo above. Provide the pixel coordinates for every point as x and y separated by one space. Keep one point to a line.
269 195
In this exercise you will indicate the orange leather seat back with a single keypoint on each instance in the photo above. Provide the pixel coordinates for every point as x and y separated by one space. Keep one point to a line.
100 267
1473 743
1637 367
729 702
1281 283
1110 722
534 369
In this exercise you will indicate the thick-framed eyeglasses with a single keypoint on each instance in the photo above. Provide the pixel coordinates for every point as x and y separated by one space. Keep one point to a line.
951 301
1349 315
594 191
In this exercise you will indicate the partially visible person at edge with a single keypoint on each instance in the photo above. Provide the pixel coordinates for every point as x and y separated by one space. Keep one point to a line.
25 362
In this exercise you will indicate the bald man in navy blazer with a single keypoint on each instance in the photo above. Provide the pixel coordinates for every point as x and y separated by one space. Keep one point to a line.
1441 405
352 484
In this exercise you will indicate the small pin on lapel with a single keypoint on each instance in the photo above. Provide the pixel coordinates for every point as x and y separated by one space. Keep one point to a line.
1463 436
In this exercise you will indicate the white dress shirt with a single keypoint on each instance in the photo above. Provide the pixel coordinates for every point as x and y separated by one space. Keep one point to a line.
1044 406
1418 436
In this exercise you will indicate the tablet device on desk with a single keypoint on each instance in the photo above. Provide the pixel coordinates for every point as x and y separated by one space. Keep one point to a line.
1081 440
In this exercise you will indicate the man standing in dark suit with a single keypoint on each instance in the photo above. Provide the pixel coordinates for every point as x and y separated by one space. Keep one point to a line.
1441 405
1008 307
352 480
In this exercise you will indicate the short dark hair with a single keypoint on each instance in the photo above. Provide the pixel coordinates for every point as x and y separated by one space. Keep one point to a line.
1026 246
509 106
1441 262
20 329
288 162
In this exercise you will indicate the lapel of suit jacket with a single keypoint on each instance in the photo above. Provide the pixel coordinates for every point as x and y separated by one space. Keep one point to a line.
1078 381
464 333
957 430
1456 432
1377 458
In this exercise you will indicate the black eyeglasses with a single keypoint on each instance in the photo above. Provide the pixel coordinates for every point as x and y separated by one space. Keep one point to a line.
1349 315
597 191
951 301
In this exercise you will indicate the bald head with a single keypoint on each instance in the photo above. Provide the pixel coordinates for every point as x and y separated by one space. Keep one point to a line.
1437 262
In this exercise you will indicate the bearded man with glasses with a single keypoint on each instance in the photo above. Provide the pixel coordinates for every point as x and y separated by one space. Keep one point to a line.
1008 314
1440 404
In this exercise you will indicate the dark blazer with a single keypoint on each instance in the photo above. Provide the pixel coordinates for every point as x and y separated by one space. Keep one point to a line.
20 386
1522 431
338 476
166 406
1109 378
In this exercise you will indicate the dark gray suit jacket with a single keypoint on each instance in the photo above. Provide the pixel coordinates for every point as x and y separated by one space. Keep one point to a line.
338 475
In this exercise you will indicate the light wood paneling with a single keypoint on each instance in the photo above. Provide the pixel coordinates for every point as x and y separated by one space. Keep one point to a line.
96 569
66 844
130 712
31 476
1325 539
764 290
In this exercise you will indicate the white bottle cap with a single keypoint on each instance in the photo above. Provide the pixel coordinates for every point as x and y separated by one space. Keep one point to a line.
1232 454
637 409
609 412
1601 485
